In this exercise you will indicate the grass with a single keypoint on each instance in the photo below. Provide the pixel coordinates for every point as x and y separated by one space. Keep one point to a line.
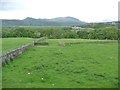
12 43
71 66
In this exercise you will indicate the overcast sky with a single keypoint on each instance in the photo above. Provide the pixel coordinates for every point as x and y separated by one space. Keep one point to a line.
84 10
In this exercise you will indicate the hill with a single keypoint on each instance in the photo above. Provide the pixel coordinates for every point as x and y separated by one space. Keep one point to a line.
59 21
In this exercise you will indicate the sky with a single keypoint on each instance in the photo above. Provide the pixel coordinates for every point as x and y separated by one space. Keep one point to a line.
84 10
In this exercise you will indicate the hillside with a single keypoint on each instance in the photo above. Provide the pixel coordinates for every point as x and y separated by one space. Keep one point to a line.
59 21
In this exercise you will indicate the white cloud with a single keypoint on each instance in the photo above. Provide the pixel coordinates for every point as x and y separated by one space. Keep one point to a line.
10 5
85 10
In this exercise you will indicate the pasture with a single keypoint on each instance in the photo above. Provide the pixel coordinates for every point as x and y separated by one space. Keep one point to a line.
61 65
12 43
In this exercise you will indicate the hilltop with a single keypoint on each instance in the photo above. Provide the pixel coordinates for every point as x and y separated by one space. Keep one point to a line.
58 21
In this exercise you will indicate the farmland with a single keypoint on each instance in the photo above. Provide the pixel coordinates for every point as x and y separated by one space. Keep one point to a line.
61 65
12 43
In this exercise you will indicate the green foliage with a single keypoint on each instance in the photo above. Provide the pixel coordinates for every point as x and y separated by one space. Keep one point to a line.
99 31
83 34
98 25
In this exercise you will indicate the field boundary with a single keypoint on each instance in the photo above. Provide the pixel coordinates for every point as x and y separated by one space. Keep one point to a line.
9 56
90 42
63 43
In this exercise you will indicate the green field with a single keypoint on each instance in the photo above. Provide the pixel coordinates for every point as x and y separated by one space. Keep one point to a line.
12 43
84 65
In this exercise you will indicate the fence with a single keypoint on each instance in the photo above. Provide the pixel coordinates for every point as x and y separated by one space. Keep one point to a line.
6 57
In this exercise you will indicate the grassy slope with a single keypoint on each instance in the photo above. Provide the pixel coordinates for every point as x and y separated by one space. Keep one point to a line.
12 43
80 65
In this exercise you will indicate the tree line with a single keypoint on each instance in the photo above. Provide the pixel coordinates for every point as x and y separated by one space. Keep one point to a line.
61 32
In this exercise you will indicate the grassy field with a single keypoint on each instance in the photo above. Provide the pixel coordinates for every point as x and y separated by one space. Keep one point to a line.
85 65
12 43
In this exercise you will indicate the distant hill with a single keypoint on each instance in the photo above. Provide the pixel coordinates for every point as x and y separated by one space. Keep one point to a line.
59 21
65 19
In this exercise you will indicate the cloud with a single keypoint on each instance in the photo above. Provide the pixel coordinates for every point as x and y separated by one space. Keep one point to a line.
85 10
9 5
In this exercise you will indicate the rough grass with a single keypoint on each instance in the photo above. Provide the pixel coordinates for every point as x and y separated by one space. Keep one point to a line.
71 66
12 43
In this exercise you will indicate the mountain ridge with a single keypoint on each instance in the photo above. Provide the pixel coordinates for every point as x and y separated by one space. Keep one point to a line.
29 21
